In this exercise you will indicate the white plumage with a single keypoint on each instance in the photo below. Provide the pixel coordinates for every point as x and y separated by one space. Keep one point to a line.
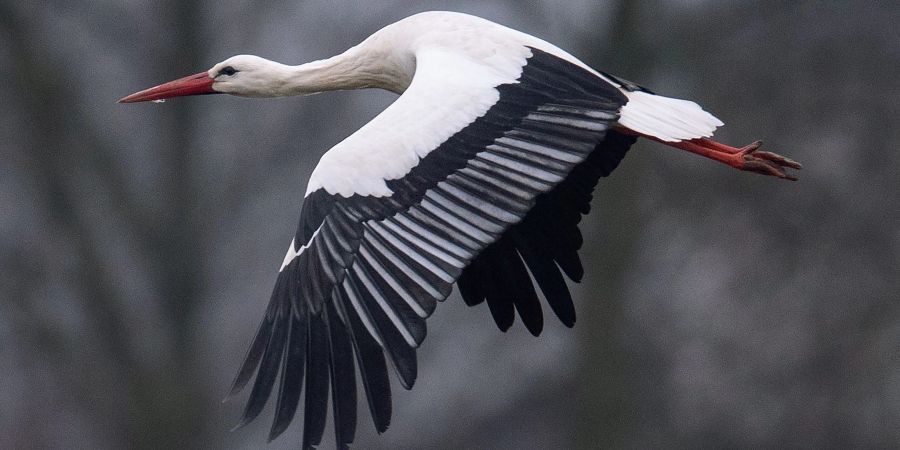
448 92
458 60
477 175
668 119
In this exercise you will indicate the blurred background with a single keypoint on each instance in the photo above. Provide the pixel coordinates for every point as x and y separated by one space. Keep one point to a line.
139 243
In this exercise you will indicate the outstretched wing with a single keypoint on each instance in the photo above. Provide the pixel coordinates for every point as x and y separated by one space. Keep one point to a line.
457 166
546 242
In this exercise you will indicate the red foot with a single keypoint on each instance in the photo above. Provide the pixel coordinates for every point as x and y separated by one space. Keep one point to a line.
747 158
766 163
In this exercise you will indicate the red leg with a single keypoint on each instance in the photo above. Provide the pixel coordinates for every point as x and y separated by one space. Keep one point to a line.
774 157
747 158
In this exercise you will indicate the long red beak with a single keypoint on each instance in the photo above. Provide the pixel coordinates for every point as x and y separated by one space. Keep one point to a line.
197 84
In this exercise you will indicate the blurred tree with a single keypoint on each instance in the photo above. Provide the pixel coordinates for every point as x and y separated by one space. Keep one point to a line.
605 406
81 193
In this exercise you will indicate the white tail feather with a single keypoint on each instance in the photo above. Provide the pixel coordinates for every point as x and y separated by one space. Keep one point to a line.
667 119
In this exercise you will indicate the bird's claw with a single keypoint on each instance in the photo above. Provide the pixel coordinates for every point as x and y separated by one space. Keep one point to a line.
766 163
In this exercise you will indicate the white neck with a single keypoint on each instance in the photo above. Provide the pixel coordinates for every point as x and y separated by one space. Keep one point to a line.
353 69
369 64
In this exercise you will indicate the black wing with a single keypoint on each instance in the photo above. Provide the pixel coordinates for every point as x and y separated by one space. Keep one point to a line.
372 269
546 241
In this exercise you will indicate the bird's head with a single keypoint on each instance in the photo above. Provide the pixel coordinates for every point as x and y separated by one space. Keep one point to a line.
243 75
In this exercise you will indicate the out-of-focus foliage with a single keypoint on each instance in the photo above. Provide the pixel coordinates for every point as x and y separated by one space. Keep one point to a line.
138 243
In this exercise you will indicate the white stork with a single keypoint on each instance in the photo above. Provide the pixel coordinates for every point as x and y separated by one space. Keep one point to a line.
478 174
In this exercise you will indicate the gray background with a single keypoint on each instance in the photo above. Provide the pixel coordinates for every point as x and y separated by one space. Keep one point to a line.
139 243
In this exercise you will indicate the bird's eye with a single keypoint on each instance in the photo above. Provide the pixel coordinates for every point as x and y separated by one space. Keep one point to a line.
227 71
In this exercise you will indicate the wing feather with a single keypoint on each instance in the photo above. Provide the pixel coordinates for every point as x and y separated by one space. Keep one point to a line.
269 365
343 385
291 377
372 365
318 362
383 242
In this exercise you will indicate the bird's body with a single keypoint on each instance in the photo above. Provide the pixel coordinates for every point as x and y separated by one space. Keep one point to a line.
478 174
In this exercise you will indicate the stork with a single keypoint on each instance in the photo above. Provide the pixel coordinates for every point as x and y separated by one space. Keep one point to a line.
478 175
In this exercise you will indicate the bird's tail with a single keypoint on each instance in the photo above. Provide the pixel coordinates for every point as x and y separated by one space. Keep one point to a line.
666 119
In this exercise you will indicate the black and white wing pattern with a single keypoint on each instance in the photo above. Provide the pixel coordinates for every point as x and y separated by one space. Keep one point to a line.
378 246
546 241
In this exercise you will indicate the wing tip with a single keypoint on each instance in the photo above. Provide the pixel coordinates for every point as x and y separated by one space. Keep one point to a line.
230 395
381 428
275 432
242 423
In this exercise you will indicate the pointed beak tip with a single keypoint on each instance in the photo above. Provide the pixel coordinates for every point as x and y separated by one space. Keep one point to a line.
197 84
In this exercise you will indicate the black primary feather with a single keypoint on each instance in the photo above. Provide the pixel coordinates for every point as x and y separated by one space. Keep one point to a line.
492 207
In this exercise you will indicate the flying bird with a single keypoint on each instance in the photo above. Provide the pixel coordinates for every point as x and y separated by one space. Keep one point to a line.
478 174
